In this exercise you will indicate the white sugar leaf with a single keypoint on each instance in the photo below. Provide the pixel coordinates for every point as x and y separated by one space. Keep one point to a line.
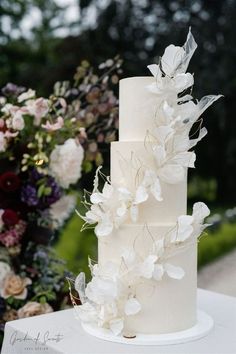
202 133
107 190
141 195
121 211
184 228
172 59
154 69
132 306
185 159
134 213
156 189
189 47
116 326
183 81
86 312
172 173
162 133
103 228
96 179
158 271
96 198
147 267
200 212
159 153
80 286
174 271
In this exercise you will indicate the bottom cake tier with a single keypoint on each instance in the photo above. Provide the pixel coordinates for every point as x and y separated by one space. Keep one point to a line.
169 303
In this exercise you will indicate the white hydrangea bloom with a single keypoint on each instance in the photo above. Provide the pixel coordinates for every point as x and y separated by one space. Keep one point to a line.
65 162
62 209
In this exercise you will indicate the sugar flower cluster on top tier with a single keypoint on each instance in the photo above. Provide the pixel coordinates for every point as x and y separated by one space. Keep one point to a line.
110 296
170 143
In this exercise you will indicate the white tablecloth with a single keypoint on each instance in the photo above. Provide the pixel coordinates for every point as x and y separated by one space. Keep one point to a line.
62 333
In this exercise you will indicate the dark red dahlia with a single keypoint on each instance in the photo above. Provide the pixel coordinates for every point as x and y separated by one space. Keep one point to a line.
10 217
9 182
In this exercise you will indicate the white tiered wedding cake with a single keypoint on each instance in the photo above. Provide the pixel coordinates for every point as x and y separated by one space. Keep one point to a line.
145 281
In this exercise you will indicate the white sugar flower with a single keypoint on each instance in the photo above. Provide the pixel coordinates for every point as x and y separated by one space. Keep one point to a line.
191 225
62 209
65 162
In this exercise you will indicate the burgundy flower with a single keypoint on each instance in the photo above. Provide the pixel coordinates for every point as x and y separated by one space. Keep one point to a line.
9 182
10 217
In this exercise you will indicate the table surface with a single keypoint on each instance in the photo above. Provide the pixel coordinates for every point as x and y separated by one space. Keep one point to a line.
64 327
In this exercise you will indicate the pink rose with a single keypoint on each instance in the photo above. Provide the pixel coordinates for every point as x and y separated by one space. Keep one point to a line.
15 286
34 309
38 108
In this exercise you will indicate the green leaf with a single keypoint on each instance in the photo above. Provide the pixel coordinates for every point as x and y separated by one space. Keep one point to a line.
40 191
87 166
42 299
47 191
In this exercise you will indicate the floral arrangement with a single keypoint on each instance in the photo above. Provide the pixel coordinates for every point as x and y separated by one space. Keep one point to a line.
47 146
110 296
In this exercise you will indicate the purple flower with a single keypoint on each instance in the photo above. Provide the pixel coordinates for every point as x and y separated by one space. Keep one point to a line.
12 90
29 195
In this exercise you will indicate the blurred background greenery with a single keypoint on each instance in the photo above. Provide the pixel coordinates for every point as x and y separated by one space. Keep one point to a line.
43 41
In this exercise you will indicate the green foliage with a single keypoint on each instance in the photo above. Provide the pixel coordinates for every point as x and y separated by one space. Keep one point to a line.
217 243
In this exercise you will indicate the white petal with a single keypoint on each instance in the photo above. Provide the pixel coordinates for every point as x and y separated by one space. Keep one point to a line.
159 153
162 133
141 195
158 272
96 198
103 228
116 326
184 228
154 68
202 133
147 267
171 59
185 159
200 212
172 173
121 211
80 286
156 189
189 47
86 312
204 103
132 306
134 213
174 271
183 81
107 190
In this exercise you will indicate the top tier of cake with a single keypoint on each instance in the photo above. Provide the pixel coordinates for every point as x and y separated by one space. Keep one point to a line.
137 108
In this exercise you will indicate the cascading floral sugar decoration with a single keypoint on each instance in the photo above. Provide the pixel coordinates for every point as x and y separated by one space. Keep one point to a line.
110 296
47 145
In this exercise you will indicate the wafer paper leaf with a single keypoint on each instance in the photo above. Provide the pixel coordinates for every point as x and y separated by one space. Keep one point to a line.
172 173
184 228
104 228
158 271
86 312
116 326
185 159
147 267
202 133
183 81
141 195
132 307
154 69
174 271
80 286
172 59
200 212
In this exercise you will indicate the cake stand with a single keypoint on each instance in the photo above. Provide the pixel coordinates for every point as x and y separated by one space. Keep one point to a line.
200 329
